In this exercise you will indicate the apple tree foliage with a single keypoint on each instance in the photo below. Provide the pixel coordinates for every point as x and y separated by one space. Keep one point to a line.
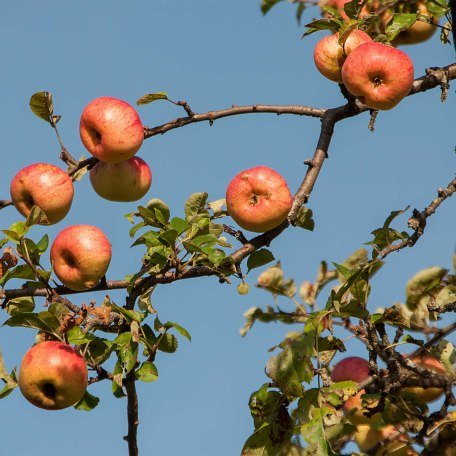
298 409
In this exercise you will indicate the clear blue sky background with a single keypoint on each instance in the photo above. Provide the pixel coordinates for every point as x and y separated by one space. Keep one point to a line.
212 53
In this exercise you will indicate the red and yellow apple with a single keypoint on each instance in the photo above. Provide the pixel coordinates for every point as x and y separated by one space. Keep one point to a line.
53 375
258 199
427 361
420 31
380 76
111 129
126 181
43 185
355 369
80 256
329 55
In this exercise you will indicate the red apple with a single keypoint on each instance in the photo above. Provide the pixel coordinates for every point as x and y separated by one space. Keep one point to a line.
53 375
111 129
352 368
126 181
80 256
329 55
380 76
427 361
258 199
355 369
45 186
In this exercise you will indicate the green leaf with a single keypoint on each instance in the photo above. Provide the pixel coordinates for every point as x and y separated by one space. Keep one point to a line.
147 372
300 10
43 243
398 23
129 315
195 205
87 403
19 305
352 8
155 205
168 343
423 283
77 336
291 367
44 321
181 330
42 106
313 432
35 217
169 237
150 97
259 258
266 5
304 219
180 225
322 24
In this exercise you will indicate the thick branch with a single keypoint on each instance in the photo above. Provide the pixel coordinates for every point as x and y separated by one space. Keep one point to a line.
132 413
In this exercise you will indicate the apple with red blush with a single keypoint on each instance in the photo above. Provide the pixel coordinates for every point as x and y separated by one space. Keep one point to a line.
80 256
258 199
53 375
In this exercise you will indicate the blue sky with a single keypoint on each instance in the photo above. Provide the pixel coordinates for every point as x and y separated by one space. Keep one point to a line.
213 54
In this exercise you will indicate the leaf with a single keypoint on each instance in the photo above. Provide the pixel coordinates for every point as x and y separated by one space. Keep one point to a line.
42 106
180 225
322 24
77 336
422 283
35 217
195 205
87 403
304 219
313 433
259 258
130 315
168 343
181 330
300 10
217 206
266 5
44 321
398 23
150 97
290 368
18 305
147 372
43 243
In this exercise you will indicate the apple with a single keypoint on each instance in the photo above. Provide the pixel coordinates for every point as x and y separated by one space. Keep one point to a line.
366 437
427 361
126 181
53 375
355 369
380 76
111 129
43 185
329 55
258 199
80 256
420 31
352 368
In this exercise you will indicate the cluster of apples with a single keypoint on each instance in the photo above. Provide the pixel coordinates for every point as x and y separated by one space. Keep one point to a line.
53 375
370 430
379 75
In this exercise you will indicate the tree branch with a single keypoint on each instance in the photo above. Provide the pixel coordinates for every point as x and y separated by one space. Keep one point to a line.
132 413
